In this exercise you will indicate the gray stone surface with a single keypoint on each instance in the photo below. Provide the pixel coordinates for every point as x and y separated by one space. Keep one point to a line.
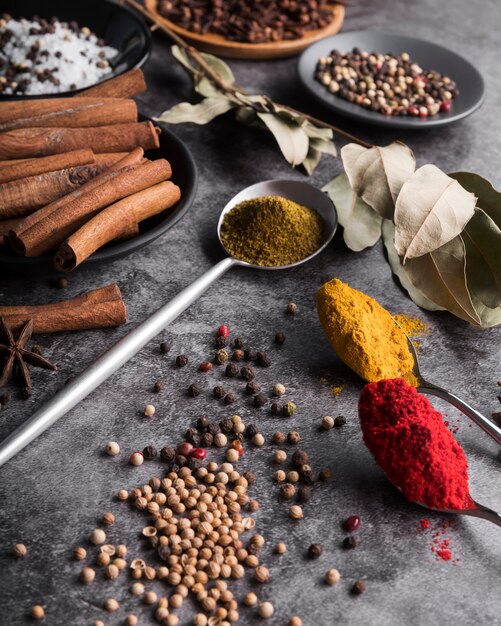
53 493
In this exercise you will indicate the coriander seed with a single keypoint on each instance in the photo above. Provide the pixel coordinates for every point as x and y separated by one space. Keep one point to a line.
37 612
149 410
108 519
278 389
262 574
280 548
150 597
79 553
327 422
250 599
87 575
112 571
287 491
98 536
123 495
111 605
266 610
137 589
112 448
19 551
295 621
296 512
332 577
130 620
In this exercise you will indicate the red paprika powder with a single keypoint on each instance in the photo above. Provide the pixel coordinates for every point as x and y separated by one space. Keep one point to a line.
411 443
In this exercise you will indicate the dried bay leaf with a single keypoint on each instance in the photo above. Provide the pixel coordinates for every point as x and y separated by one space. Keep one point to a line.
200 113
417 296
487 197
488 317
361 224
291 138
377 174
441 276
482 240
431 210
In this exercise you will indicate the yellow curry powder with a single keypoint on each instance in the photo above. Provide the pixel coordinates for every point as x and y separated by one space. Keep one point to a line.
271 231
364 334
412 326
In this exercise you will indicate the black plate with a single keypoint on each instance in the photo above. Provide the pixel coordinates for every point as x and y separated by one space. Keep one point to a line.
427 54
118 25
184 174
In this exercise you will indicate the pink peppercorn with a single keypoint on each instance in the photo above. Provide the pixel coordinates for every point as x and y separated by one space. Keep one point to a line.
185 449
445 106
205 366
352 523
199 453
136 458
223 331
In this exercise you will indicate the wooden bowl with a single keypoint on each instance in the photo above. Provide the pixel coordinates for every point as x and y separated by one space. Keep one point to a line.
218 45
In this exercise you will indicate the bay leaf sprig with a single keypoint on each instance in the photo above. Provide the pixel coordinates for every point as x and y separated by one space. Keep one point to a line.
441 242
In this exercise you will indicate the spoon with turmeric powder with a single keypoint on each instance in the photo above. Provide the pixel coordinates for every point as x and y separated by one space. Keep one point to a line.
272 225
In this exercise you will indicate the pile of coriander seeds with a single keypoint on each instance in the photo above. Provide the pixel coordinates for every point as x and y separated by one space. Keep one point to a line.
385 83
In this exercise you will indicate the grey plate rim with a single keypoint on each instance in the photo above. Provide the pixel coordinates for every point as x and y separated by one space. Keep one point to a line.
353 111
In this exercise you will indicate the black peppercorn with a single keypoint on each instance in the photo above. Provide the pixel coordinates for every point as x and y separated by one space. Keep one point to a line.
349 542
226 426
163 552
150 453
181 360
325 474
167 454
238 355
219 392
158 386
229 398
165 347
315 550
191 436
251 388
249 354
309 477
304 494
213 429
221 342
280 338
278 438
202 422
251 430
253 548
25 393
238 343
250 477
358 587
263 359
300 457
293 438
61 282
232 370
291 308
194 390
153 541
193 463
247 373
155 483
180 460
259 400
339 421
206 440
276 408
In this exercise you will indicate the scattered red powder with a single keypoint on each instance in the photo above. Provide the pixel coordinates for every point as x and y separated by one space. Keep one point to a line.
413 446
425 524
441 544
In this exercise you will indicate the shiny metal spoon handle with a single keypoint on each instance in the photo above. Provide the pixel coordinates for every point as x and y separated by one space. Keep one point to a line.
108 363
489 427
485 513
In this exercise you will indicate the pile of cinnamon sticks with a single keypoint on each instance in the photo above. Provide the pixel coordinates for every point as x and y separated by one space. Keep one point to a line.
73 175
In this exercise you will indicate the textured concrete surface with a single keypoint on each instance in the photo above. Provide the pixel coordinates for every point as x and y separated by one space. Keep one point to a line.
53 493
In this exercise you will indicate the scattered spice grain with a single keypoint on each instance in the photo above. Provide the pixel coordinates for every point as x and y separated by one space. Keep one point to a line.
19 551
280 548
150 453
262 574
315 550
181 360
259 400
87 575
280 338
278 389
352 523
111 605
98 536
112 448
332 577
295 621
279 438
136 458
37 612
79 553
108 519
339 421
232 370
291 308
296 512
149 410
349 543
266 610
250 599
289 408
358 587
158 386
165 347
219 392
251 388
221 356
300 458
194 390
280 456
327 422
258 440
205 366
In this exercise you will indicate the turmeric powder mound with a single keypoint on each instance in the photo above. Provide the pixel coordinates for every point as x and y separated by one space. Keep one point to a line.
364 334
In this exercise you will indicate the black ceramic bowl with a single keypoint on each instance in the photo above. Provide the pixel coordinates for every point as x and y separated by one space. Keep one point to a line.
427 54
118 25
184 174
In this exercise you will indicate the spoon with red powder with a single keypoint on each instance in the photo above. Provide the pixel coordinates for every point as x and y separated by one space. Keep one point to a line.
416 450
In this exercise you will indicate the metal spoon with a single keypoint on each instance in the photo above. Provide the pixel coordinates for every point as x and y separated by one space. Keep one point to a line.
128 346
433 390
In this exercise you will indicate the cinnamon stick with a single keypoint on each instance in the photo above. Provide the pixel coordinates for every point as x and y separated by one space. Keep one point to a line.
99 308
60 224
132 159
126 85
113 221
5 227
67 112
22 168
33 142
24 196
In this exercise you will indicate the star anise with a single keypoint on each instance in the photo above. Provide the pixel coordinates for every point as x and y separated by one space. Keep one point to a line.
17 356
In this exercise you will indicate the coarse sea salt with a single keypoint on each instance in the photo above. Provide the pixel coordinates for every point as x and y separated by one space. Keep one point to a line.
40 57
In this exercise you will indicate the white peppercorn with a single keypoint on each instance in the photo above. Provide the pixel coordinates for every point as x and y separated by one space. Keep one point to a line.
112 448
98 536
266 610
149 410
332 577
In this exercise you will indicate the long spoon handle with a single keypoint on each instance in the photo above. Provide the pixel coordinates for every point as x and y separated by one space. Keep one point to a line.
485 424
108 363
